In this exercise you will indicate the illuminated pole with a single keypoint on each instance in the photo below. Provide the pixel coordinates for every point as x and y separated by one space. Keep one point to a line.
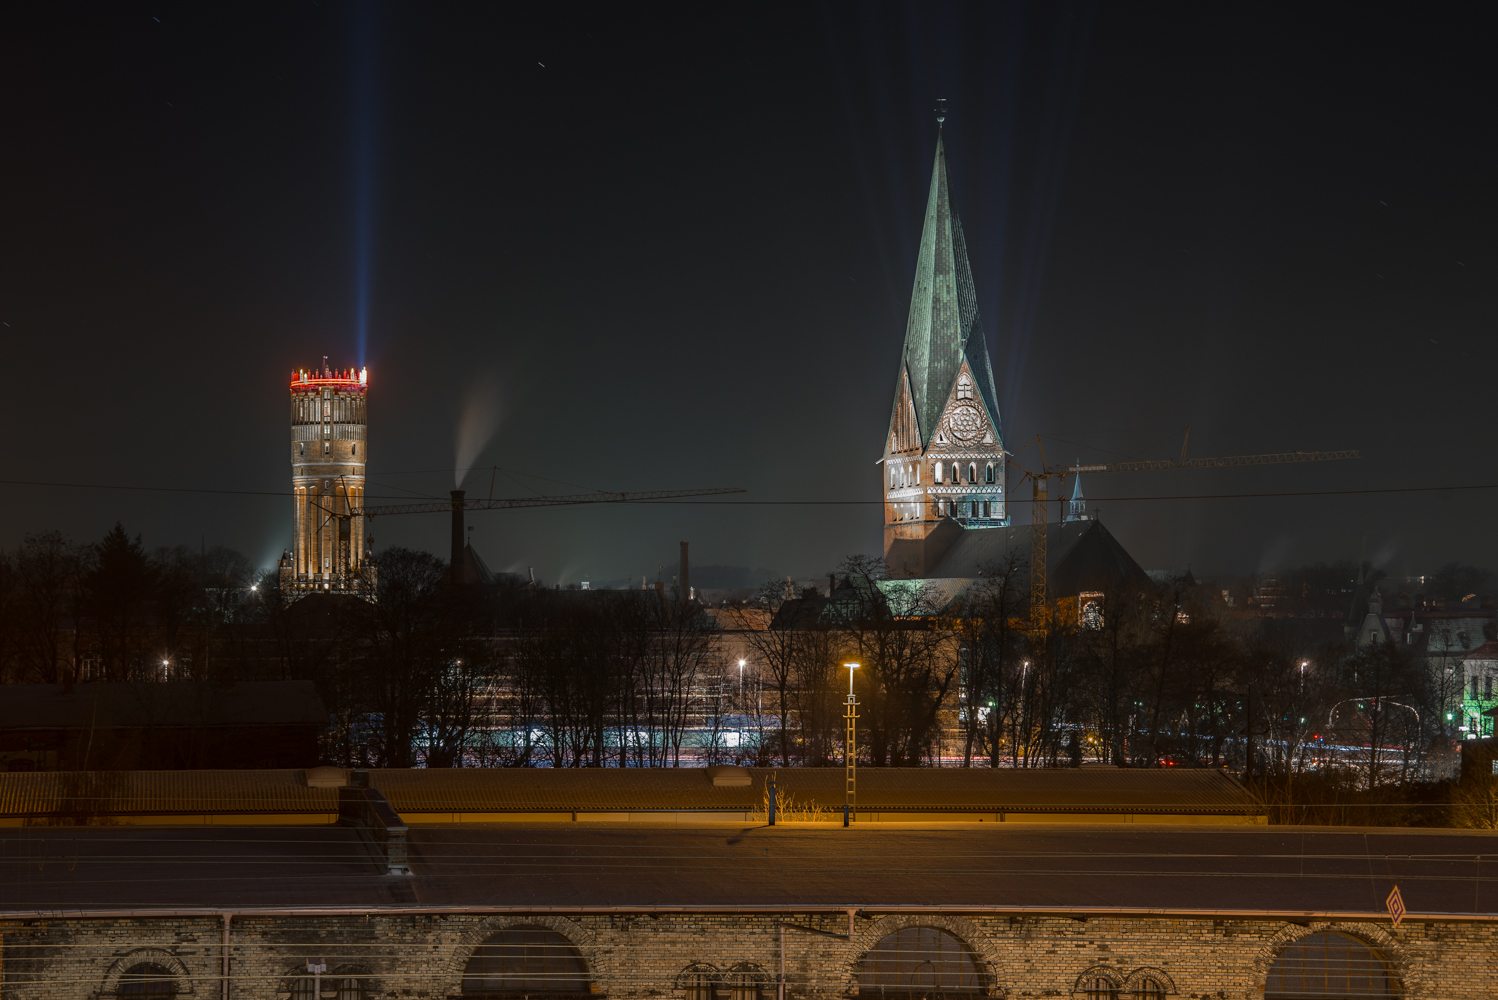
850 755
740 747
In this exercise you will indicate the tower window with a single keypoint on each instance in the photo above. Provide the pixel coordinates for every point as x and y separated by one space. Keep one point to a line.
955 474
988 473
354 450
936 472
972 473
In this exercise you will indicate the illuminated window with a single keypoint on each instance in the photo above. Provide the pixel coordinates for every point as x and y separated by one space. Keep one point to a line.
1090 610
936 472
1327 966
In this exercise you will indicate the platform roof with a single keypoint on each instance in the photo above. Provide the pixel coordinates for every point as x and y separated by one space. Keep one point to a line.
1058 791
1223 871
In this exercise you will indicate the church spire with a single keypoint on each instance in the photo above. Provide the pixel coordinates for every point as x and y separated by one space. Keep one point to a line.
943 331
1077 509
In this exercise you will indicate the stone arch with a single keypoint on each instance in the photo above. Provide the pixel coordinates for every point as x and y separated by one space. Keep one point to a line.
147 956
372 985
1132 980
1402 978
985 955
482 930
1106 972
685 979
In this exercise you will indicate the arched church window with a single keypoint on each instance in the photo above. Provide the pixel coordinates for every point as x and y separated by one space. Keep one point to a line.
972 472
936 473
955 474
917 469
525 960
147 980
917 962
893 481
1327 966
988 473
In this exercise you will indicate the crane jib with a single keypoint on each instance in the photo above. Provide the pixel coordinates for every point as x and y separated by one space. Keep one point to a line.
1150 465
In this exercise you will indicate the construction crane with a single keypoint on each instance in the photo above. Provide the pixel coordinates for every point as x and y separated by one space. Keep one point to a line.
1039 616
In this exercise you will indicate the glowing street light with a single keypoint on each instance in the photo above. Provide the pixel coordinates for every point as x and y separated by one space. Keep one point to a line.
850 757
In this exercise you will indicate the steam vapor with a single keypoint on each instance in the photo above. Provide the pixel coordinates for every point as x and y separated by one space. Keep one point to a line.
477 426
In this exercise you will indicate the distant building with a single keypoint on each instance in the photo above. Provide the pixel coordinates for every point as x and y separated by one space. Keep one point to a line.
330 550
1479 674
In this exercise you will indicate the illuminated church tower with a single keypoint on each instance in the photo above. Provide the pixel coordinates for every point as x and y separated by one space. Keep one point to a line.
944 453
329 423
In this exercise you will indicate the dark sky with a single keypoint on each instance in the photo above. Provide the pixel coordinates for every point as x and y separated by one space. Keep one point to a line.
672 246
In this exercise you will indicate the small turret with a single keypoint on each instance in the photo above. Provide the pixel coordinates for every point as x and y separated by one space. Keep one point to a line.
1077 509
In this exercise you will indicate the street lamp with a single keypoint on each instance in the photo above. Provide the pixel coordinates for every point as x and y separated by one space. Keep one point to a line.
741 706
850 757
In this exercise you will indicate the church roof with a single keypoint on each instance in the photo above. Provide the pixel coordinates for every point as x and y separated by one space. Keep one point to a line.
943 329
1080 556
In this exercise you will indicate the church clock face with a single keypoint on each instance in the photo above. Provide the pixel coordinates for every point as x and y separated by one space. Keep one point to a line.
965 422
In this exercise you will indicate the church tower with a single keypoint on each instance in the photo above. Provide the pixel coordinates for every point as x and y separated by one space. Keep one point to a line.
329 424
944 453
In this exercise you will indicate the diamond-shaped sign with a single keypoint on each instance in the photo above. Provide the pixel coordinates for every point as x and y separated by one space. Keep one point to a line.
1395 903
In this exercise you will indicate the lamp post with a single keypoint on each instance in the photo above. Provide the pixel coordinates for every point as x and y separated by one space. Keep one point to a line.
740 746
850 754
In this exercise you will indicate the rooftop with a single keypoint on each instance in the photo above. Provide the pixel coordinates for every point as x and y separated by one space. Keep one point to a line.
1299 872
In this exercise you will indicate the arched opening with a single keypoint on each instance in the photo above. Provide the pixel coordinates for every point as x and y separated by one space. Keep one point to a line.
936 472
1149 988
972 472
956 474
919 962
147 980
988 474
525 960
1328 966
1099 988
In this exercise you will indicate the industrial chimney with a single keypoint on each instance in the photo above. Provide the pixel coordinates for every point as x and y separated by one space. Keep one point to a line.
457 559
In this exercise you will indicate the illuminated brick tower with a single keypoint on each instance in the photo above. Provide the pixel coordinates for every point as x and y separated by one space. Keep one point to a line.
329 423
944 452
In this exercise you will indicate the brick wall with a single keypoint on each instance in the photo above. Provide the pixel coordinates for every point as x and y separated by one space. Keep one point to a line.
641 955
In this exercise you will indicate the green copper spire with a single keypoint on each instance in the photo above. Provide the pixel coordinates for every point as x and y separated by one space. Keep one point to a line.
943 330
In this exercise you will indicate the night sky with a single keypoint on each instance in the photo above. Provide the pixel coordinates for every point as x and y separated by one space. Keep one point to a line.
649 247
